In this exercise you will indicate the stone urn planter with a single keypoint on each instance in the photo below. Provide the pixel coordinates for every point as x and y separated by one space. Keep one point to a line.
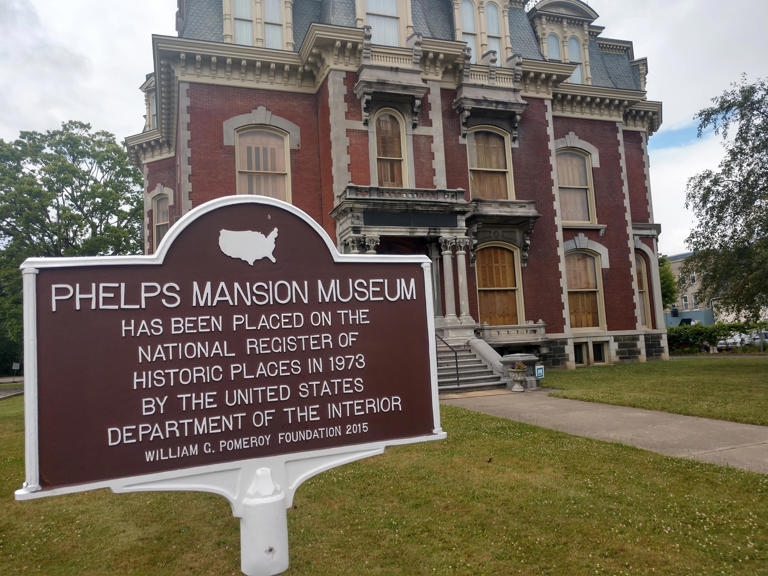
518 372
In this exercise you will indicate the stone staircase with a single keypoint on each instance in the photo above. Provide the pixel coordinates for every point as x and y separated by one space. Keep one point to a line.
474 373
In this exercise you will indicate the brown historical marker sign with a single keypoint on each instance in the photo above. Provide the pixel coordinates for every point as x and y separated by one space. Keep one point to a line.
248 337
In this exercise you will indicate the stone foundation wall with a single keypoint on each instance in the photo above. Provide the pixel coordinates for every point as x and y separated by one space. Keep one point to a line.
557 357
627 348
653 347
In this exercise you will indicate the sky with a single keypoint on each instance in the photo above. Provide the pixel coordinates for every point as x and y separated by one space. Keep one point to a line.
85 60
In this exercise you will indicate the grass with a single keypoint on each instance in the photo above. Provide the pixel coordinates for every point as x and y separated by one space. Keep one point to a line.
734 389
496 498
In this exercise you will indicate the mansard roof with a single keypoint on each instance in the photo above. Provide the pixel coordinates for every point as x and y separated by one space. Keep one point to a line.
611 61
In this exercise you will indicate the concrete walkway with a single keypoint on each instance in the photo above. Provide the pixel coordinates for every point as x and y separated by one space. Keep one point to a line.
739 445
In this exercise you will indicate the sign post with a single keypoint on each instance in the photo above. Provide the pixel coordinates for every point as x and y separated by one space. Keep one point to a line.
244 357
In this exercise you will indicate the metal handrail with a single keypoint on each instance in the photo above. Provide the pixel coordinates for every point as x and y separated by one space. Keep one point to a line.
455 357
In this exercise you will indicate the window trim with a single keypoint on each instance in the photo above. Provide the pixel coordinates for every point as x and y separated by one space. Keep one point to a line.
599 290
591 208
258 23
403 18
547 43
404 149
643 296
508 155
481 29
155 222
519 296
579 63
286 151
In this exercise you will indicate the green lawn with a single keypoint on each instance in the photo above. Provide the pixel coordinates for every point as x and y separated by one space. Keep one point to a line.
734 389
496 498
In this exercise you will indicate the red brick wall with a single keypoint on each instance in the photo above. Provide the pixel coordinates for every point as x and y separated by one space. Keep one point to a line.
359 166
532 173
213 164
456 169
354 107
635 159
618 289
422 158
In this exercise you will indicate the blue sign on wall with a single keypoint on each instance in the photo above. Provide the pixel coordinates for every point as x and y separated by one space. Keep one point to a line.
539 372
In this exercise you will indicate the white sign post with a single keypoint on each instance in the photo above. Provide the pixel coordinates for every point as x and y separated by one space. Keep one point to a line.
244 357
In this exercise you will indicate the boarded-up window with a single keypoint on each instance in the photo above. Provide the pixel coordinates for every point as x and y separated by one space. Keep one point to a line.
575 190
389 151
488 170
583 290
497 286
262 164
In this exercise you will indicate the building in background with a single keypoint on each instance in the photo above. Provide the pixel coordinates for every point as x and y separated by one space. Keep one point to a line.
506 142
688 309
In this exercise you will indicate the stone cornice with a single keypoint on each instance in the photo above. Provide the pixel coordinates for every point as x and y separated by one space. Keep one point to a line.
613 46
147 147
540 77
598 103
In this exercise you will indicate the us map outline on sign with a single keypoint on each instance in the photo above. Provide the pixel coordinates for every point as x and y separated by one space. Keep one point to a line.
248 245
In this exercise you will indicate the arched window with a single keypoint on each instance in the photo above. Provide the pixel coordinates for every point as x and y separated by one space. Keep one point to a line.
574 57
553 47
263 163
160 218
574 174
390 159
382 17
644 312
489 165
498 285
493 23
468 29
585 300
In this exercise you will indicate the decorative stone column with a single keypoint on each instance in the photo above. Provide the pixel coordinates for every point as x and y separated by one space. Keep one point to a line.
446 245
434 254
461 263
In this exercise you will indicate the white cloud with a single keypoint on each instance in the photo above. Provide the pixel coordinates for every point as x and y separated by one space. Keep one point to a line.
695 49
670 170
77 60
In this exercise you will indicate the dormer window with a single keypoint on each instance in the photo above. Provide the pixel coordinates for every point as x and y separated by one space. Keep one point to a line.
259 23
243 14
553 47
574 57
382 17
493 21
468 30
273 24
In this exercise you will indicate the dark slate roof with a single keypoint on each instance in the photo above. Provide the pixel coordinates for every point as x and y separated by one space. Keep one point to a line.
611 70
433 18
304 13
521 35
204 21
339 12
621 71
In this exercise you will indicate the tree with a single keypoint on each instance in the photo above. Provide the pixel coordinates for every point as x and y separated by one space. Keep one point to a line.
66 192
668 283
730 241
